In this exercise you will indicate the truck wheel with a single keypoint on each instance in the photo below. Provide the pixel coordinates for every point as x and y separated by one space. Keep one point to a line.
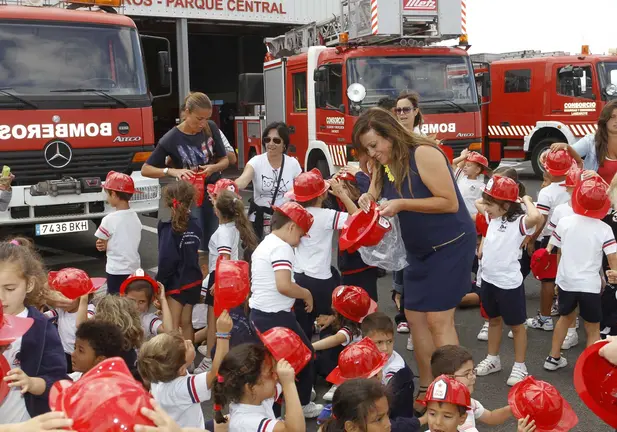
322 166
537 152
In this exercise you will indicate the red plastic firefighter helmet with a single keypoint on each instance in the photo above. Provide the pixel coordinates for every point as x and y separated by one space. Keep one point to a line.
446 389
119 182
308 186
476 157
12 327
358 360
543 264
353 302
346 176
298 214
223 184
482 224
231 284
574 176
590 198
363 229
198 181
140 274
73 283
543 403
502 188
595 380
283 343
104 399
558 163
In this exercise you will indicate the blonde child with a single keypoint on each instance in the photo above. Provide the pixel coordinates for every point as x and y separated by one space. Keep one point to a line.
164 361
468 169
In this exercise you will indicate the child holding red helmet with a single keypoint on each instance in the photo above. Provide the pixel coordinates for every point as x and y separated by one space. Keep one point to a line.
120 232
503 290
468 167
582 237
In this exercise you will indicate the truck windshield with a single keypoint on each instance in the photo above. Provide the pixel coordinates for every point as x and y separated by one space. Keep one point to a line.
608 74
37 58
444 83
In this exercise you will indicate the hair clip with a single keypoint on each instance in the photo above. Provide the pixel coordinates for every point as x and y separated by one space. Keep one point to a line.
219 378
174 203
217 407
15 242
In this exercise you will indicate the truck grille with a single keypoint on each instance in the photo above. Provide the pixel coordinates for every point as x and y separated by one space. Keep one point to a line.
30 167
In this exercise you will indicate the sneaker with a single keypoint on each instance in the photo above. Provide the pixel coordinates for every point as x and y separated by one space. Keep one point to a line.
483 335
402 327
204 366
203 350
488 366
329 394
577 323
540 323
552 364
517 375
555 307
570 341
313 394
312 410
410 344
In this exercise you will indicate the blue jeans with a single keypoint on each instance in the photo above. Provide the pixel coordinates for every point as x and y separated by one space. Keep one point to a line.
207 221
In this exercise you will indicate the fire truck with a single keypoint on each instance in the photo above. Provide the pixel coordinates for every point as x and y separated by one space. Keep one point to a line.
74 105
531 100
319 78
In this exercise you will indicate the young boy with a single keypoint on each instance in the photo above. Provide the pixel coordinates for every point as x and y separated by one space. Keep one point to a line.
447 402
95 341
397 376
469 167
120 232
456 361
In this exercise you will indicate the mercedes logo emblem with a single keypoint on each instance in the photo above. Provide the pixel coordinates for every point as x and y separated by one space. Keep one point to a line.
58 154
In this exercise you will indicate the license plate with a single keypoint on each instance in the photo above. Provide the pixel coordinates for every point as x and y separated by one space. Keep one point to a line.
61 227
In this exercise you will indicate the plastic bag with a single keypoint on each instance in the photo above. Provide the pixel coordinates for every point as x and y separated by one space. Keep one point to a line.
390 253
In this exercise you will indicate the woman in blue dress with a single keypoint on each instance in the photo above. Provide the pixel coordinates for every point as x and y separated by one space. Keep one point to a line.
439 235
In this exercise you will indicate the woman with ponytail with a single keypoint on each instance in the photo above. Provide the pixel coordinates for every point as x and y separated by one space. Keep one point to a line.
178 270
250 381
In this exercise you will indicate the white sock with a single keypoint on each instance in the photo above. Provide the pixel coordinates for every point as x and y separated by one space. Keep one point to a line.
571 331
493 358
520 366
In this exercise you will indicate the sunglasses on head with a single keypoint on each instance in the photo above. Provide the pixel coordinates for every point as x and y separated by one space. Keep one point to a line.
405 110
275 140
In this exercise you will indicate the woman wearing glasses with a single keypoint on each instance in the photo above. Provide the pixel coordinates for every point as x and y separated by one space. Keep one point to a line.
272 174
408 112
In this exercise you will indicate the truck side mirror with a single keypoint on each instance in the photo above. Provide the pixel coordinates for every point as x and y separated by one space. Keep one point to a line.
164 69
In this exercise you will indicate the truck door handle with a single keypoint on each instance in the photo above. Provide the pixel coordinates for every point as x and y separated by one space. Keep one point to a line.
506 124
292 129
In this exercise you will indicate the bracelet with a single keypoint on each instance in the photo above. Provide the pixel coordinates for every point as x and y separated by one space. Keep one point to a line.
223 335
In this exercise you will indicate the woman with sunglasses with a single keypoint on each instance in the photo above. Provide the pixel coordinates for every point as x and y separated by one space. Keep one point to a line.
408 112
272 173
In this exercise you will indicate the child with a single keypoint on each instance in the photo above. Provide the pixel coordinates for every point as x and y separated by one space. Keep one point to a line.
274 292
582 238
314 253
95 341
250 381
503 289
397 376
178 270
447 402
142 289
456 362
163 362
468 168
120 232
557 164
36 359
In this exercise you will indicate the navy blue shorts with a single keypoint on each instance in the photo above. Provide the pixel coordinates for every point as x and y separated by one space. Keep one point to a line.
589 305
509 304
114 282
189 296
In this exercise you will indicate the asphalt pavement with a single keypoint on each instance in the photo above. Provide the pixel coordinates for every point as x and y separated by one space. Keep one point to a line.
78 250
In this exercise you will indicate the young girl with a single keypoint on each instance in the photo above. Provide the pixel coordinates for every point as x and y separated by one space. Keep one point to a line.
274 292
178 271
468 169
234 227
37 358
247 381
503 290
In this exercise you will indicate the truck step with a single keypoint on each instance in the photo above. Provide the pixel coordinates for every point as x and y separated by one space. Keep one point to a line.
513 148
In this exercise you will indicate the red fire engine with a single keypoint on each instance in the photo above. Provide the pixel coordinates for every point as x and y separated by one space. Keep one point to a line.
533 99
74 105
320 77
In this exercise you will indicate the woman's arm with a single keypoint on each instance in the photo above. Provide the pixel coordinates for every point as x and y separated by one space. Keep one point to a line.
246 177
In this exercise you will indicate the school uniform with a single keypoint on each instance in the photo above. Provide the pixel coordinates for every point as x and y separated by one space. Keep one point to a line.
398 378
548 199
66 322
181 398
151 323
582 241
474 413
561 211
178 268
327 360
471 189
503 290
313 269
225 240
269 308
252 418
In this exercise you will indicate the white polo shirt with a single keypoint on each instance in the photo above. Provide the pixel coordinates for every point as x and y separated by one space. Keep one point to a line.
502 250
181 399
67 326
471 190
122 230
394 364
225 240
561 211
272 255
150 323
254 418
314 253
582 240
473 414
349 336
13 407
548 199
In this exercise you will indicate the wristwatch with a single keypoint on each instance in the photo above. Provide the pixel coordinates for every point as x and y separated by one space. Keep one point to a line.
165 171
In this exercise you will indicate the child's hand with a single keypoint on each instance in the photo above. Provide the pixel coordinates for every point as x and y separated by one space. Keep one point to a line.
18 378
324 321
351 169
161 291
285 372
336 188
224 323
609 351
308 301
101 245
54 421
611 275
162 420
465 153
524 425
